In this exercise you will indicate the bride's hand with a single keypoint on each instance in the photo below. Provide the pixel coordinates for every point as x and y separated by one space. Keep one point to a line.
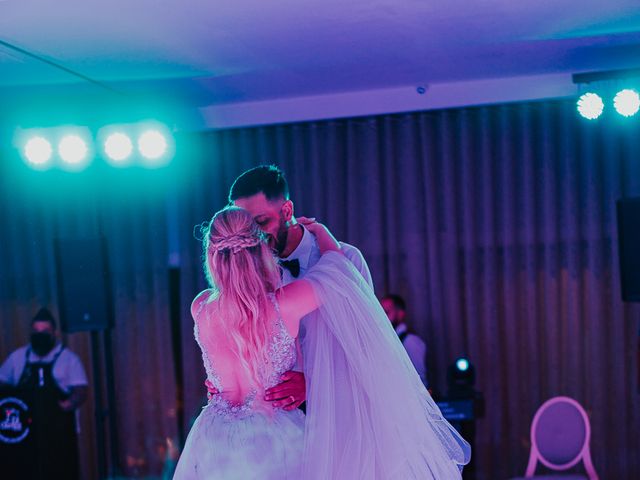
313 225
309 223
326 241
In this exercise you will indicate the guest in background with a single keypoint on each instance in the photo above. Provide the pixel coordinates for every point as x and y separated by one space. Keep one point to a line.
396 309
54 380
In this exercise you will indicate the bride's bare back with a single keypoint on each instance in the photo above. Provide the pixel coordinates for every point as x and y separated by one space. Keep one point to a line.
238 390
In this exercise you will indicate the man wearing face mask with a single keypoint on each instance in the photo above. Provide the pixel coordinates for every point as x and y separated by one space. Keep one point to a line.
57 384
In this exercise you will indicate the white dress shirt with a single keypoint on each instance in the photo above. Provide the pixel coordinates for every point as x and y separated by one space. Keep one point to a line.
416 349
308 253
67 371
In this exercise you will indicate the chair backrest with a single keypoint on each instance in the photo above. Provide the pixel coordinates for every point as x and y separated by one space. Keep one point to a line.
560 436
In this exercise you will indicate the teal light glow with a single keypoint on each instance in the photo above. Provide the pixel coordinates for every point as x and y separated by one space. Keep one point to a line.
37 151
118 147
152 144
627 102
73 150
462 364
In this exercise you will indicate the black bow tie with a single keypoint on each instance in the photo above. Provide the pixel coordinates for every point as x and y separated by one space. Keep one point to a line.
292 265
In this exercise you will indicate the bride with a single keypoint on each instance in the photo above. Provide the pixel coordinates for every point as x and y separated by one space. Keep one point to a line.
368 414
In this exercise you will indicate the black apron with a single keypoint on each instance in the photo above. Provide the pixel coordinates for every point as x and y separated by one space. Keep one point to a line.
54 430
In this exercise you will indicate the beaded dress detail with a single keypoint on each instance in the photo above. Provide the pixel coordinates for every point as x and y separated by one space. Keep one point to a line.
282 357
249 439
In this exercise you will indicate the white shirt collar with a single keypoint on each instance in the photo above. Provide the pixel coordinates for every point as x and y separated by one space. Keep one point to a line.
401 328
34 357
303 251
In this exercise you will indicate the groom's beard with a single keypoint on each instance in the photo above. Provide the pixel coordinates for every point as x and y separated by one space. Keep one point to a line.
279 242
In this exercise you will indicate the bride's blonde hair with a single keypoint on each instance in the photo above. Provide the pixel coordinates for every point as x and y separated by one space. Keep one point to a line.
242 269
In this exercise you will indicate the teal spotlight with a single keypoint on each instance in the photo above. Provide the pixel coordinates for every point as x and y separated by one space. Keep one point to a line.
118 147
590 105
152 144
37 151
73 150
627 102
462 364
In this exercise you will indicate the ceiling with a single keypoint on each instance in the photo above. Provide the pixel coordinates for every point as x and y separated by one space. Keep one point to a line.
224 52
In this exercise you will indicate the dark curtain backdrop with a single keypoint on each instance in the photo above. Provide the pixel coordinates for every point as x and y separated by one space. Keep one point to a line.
496 223
38 207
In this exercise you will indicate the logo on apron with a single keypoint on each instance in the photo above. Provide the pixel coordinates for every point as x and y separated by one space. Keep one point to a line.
14 420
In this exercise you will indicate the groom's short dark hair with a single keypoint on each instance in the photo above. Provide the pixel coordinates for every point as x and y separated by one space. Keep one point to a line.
267 179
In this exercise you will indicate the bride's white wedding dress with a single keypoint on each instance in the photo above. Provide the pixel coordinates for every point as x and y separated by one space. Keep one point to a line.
369 416
247 440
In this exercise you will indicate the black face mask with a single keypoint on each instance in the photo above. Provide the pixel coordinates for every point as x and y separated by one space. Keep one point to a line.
42 343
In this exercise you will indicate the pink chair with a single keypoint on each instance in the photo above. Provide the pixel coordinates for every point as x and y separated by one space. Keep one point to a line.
560 435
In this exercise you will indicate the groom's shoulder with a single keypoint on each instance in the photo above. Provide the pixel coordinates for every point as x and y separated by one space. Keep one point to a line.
356 257
353 253
349 250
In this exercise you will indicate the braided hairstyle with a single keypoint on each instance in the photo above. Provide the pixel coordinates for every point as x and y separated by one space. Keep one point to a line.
242 270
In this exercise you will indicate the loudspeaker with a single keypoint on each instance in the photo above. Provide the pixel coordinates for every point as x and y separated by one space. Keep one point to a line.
628 210
84 293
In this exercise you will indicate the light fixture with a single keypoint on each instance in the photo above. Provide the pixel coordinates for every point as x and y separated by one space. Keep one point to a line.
37 151
73 150
627 102
118 147
461 376
590 105
152 144
462 364
615 88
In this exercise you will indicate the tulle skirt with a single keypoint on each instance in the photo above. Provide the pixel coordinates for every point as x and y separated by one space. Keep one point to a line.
379 421
249 447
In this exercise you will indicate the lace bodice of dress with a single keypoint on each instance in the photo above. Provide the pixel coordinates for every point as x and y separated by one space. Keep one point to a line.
282 357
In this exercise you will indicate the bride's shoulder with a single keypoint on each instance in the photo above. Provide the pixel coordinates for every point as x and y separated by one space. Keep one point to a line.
202 299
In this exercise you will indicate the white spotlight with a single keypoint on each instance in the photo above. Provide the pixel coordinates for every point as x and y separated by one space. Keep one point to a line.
627 102
72 149
590 105
152 144
118 146
37 151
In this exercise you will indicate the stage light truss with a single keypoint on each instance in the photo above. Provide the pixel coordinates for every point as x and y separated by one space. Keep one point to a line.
602 92
73 148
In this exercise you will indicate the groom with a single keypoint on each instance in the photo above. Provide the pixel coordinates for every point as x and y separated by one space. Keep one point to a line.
264 192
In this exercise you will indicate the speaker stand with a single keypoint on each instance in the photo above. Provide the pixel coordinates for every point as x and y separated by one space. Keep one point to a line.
98 407
102 355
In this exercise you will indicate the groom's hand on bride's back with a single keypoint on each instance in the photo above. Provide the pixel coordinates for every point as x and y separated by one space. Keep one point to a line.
289 394
211 390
